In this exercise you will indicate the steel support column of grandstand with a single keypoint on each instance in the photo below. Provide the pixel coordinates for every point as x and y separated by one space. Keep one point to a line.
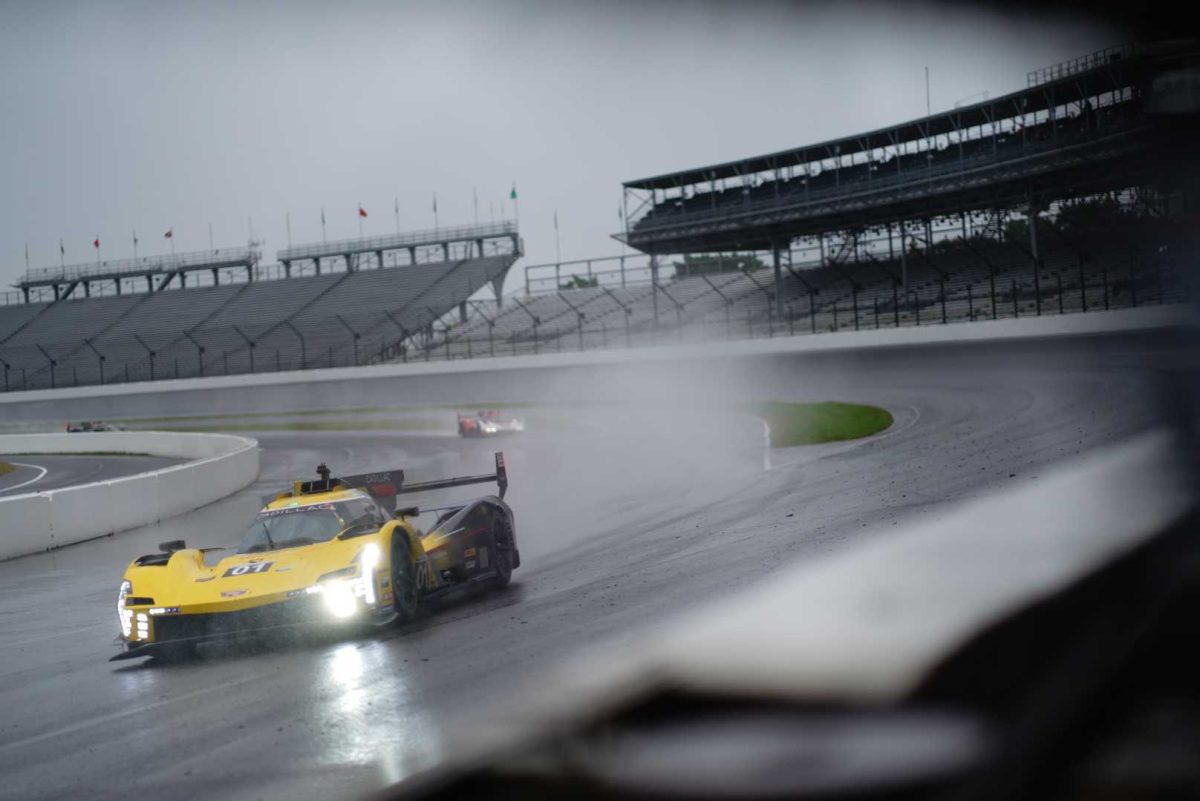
303 348
51 361
778 271
625 308
1033 251
99 357
250 342
536 322
812 298
149 350
678 308
404 333
354 334
580 317
653 286
199 352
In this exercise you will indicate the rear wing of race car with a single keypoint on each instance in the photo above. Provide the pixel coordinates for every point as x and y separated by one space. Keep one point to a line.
384 486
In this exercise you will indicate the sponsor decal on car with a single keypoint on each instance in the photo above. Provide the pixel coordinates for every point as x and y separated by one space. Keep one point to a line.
233 593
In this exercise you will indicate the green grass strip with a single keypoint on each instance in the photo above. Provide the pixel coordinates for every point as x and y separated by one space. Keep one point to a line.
813 423
5 467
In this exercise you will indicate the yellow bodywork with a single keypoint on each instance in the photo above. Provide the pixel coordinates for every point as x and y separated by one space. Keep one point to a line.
185 586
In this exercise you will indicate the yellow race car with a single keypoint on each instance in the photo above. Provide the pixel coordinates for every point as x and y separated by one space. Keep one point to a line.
329 552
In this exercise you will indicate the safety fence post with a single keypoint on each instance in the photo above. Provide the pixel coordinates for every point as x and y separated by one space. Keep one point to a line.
1104 280
942 289
1060 292
1037 286
835 317
970 305
1082 284
854 295
992 284
875 304
1016 311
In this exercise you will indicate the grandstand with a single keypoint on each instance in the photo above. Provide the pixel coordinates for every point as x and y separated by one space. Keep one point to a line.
279 318
927 221
1076 193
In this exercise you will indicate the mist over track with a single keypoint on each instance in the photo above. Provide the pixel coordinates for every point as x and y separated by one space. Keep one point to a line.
648 500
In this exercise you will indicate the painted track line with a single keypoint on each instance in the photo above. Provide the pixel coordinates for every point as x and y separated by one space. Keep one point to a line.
38 477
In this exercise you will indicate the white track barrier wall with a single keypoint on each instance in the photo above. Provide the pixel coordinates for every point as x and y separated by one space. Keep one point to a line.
218 466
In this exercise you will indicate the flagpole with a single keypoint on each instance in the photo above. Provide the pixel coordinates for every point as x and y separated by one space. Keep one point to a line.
62 254
287 219
210 236
135 245
360 220
557 246
26 257
397 214
322 225
435 214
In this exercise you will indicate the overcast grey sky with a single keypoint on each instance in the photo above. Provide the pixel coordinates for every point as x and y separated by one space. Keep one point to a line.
119 116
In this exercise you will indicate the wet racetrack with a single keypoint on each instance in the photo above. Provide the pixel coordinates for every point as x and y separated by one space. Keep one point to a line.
623 516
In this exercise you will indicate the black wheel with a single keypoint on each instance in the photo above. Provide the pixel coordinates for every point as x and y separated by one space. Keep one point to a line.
503 547
406 595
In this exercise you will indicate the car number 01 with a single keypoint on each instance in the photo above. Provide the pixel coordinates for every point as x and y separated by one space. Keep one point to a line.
254 567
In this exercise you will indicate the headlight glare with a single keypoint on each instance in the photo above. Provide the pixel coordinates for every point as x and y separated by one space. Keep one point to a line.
123 614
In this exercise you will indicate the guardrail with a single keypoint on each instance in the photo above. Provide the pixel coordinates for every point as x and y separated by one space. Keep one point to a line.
41 521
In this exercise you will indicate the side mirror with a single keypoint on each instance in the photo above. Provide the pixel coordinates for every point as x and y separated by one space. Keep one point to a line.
172 546
408 511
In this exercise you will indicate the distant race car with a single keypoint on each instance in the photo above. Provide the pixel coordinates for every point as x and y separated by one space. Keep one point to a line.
488 423
331 552
94 425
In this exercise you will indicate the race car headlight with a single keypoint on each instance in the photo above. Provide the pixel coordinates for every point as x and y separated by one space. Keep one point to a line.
339 599
123 614
369 559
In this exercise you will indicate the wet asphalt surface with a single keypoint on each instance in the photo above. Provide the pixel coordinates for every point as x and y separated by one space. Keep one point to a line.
633 514
68 471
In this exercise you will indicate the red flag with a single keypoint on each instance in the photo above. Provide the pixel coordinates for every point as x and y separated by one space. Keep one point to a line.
362 212
170 233
96 243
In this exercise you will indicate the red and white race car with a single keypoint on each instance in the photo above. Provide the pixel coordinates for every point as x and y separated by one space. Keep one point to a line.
488 423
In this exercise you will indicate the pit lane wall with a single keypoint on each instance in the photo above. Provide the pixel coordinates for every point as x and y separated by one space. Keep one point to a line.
218 465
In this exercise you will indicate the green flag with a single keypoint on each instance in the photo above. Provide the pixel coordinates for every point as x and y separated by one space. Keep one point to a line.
513 194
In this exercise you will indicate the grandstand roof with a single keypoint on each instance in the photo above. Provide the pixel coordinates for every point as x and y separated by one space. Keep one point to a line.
146 265
371 244
1105 74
